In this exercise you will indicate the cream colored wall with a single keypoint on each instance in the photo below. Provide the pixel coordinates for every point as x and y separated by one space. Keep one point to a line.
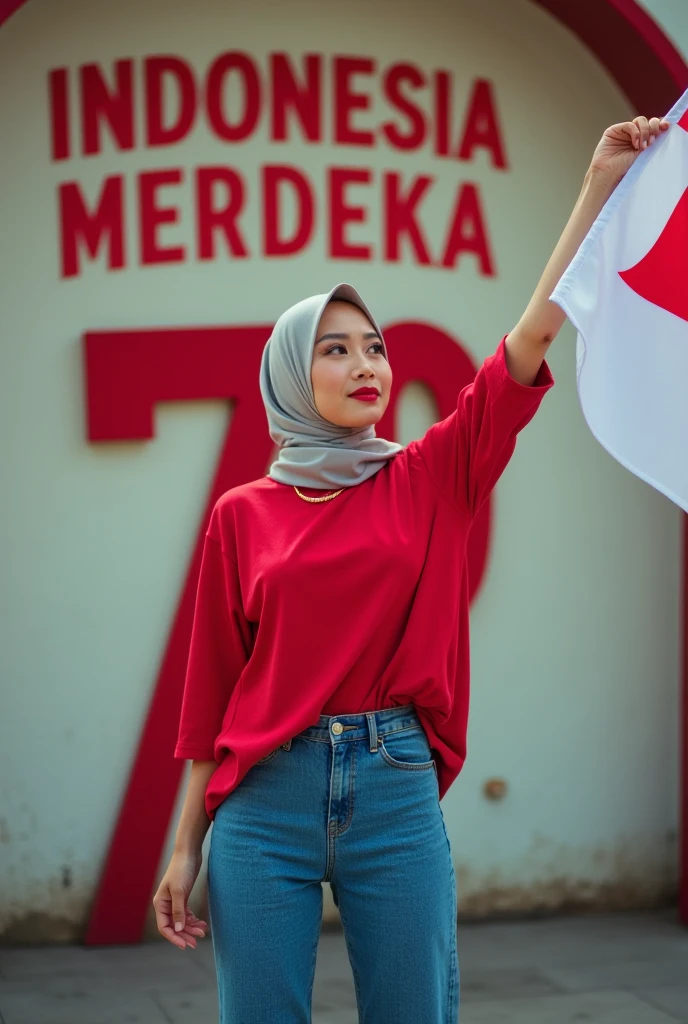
575 632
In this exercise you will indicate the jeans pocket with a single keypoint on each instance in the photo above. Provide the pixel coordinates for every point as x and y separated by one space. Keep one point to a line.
408 750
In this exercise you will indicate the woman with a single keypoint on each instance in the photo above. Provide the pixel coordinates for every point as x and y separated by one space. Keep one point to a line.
326 698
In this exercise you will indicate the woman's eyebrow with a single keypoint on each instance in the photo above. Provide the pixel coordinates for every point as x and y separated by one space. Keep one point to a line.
345 337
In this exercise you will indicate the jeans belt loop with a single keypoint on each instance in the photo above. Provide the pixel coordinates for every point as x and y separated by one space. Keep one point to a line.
372 729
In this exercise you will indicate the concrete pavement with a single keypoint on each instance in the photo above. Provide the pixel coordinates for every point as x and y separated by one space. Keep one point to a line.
621 969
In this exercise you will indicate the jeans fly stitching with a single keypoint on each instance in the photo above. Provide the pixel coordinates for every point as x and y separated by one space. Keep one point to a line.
329 865
352 779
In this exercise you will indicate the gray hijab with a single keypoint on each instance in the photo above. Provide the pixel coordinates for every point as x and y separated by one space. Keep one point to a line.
313 451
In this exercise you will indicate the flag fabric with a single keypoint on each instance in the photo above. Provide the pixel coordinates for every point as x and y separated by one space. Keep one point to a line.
626 293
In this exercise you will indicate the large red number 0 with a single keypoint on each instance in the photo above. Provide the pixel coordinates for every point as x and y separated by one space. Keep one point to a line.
127 374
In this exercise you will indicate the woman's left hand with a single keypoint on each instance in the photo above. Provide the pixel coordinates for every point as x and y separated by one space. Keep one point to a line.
622 143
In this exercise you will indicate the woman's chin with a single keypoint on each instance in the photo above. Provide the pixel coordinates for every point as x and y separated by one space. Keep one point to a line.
357 422
354 415
368 419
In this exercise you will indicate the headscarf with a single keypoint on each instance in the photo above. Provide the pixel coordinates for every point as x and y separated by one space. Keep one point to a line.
313 452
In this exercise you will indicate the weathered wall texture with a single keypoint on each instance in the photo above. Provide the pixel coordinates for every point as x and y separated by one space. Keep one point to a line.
575 631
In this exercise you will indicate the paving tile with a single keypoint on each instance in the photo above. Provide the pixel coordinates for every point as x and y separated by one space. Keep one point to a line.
567 942
620 969
592 1008
145 965
486 984
333 995
673 999
82 987
45 960
622 974
335 1017
190 1007
37 1008
203 956
332 953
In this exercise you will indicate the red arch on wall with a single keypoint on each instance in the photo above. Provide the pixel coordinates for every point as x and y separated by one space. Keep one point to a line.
623 36
651 72
630 44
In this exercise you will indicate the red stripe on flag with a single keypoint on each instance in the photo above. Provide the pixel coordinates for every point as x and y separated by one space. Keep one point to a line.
660 276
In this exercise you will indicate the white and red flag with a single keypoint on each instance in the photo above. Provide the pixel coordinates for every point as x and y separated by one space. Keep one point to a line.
626 292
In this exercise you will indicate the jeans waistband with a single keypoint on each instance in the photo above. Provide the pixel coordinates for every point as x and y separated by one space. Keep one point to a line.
362 725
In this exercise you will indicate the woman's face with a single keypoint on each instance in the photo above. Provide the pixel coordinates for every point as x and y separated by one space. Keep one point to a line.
347 357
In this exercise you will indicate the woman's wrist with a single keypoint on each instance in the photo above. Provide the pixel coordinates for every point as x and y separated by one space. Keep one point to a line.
194 821
601 180
188 849
191 832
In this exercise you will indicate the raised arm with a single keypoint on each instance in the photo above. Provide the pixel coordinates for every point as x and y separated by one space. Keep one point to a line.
616 151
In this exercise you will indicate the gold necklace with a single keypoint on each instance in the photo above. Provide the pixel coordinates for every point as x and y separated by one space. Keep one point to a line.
328 497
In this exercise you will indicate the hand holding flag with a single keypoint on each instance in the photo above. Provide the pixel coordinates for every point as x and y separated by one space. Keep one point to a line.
622 143
626 293
619 272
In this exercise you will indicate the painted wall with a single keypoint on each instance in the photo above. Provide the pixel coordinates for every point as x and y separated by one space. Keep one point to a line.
575 631
672 16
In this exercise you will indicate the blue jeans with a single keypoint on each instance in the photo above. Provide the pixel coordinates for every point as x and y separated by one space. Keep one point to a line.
353 801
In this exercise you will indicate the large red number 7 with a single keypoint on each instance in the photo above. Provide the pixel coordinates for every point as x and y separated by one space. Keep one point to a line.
127 374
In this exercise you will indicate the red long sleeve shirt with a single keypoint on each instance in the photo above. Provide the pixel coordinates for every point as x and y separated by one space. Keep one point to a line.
350 605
